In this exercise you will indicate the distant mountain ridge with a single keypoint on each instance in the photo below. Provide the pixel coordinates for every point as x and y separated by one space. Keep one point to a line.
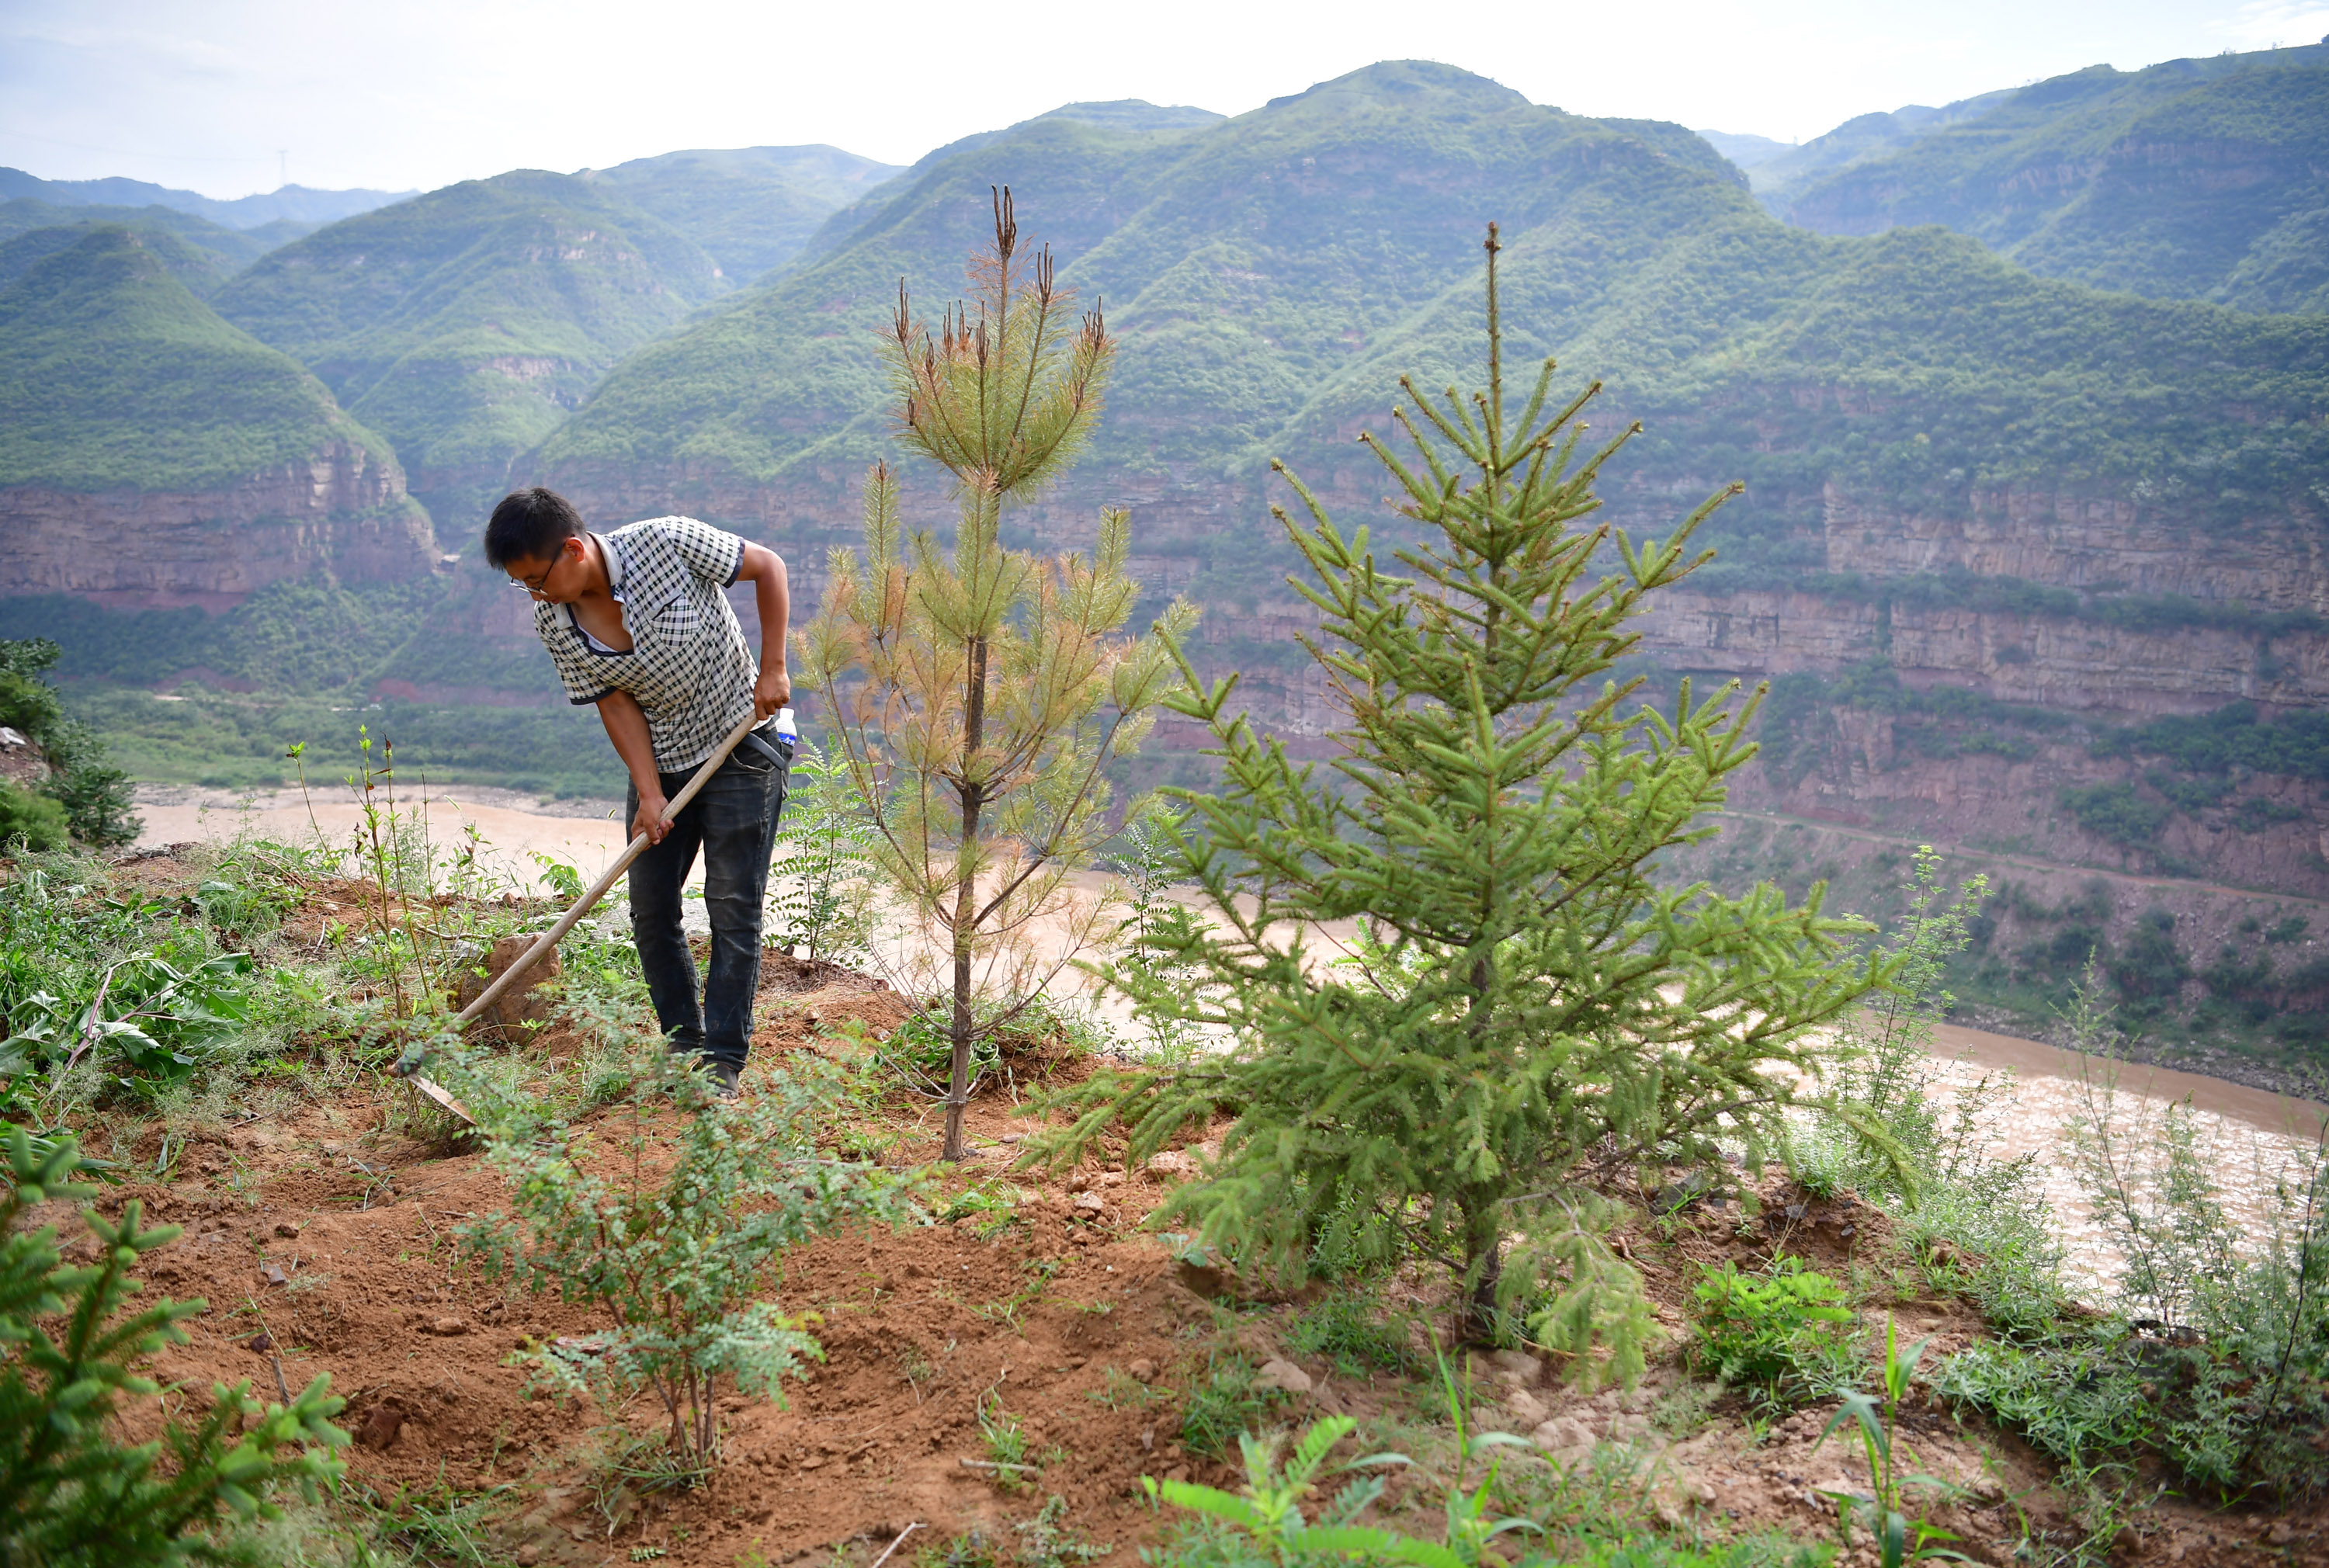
222 251
2203 178
465 325
294 203
752 208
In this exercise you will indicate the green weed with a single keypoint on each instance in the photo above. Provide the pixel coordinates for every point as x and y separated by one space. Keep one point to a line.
1784 1338
1347 1328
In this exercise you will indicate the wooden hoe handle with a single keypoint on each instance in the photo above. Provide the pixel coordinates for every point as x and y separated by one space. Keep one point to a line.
582 906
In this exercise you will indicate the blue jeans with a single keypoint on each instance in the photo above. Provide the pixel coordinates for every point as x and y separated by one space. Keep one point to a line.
733 821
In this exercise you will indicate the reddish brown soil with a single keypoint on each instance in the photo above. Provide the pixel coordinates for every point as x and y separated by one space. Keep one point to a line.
329 1235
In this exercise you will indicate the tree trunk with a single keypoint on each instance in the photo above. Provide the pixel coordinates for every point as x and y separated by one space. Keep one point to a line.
974 734
1484 1260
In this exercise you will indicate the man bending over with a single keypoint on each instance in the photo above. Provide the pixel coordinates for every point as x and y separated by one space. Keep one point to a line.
636 621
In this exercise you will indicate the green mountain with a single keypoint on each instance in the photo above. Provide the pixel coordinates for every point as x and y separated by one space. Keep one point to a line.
752 208
223 252
2194 179
197 268
292 203
1749 152
1242 260
1271 275
465 325
1778 172
113 374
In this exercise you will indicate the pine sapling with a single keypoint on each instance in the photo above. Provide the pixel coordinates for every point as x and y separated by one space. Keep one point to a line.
71 1350
977 693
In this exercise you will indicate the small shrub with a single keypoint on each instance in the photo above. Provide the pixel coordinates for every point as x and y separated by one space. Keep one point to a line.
1783 1337
1004 1441
2216 1359
69 1350
30 821
677 1255
1050 1543
822 894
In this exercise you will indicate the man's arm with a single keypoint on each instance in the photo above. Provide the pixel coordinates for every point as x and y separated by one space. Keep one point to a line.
626 726
764 568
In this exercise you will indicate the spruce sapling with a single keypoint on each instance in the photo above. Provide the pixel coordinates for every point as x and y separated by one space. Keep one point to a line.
1539 1022
69 1350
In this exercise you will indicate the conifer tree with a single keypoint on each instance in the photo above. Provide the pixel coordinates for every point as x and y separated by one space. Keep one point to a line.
976 692
1533 1024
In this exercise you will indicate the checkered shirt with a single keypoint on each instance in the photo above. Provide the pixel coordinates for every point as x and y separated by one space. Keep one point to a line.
688 664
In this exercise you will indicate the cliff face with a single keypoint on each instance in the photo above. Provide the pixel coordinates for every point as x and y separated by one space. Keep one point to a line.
2278 560
1866 777
2054 662
343 509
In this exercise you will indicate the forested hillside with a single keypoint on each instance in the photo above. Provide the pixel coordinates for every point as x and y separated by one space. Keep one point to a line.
2196 179
150 450
1994 524
225 251
752 208
464 323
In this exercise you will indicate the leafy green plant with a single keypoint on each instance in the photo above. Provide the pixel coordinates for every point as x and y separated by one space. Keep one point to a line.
1266 1524
1004 1442
1221 1405
820 887
1050 1543
110 990
1542 1014
676 1252
71 1350
1874 1422
1785 1337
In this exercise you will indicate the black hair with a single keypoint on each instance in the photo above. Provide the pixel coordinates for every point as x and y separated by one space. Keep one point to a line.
530 524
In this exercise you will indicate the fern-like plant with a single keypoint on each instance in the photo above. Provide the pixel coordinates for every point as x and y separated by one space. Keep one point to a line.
71 1495
821 882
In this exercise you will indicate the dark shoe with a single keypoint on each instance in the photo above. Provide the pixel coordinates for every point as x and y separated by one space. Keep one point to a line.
724 1080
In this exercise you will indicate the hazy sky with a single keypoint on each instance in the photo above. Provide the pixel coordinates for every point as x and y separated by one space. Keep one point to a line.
417 93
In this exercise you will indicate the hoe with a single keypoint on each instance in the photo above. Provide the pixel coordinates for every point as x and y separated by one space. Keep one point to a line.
413 1060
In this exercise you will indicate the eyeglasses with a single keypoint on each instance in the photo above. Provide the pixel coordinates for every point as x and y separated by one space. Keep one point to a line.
536 585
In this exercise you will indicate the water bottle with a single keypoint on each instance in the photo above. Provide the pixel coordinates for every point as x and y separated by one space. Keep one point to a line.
785 726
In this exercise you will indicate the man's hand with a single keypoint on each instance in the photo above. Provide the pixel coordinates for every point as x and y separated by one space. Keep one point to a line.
771 691
650 818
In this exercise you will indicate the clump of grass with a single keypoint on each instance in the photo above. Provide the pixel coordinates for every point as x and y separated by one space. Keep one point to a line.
1004 1441
1348 1329
1221 1405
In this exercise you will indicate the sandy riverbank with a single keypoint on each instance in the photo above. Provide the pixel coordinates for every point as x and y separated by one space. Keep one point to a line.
512 827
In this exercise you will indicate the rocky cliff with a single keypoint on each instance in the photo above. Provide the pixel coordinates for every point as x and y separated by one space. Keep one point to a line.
344 511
